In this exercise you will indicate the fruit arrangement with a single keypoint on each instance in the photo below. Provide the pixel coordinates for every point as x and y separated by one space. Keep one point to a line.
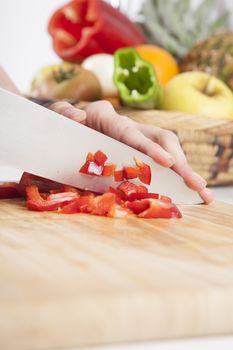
142 65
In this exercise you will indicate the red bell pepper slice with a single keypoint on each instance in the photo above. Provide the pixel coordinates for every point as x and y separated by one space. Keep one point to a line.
131 172
102 205
85 27
153 208
9 190
108 170
43 184
100 158
119 175
119 195
79 205
53 202
137 196
84 168
138 206
160 209
127 188
144 172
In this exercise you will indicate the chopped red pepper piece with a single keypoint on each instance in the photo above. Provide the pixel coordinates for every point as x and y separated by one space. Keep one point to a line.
119 195
43 184
108 170
131 172
144 172
100 158
138 206
160 209
135 196
9 190
85 27
53 202
79 205
153 208
84 168
127 188
102 205
119 175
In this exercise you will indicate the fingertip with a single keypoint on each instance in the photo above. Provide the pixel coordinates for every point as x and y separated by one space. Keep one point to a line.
207 195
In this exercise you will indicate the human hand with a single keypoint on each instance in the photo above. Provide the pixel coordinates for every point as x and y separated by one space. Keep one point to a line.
161 145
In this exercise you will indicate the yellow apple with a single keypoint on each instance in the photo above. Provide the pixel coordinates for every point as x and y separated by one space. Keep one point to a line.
198 93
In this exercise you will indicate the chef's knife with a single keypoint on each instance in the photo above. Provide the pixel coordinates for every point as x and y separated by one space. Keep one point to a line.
40 141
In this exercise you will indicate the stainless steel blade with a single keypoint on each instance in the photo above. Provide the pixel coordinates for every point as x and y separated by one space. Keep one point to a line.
40 141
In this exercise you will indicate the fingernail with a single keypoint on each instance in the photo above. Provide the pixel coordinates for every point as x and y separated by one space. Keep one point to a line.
207 195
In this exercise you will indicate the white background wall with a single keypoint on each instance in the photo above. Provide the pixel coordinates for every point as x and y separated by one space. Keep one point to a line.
25 45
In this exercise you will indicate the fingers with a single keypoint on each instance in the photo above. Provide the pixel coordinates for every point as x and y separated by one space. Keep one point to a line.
136 139
207 195
191 178
102 117
69 111
170 142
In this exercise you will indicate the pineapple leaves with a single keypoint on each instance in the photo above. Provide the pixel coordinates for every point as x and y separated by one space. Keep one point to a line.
176 25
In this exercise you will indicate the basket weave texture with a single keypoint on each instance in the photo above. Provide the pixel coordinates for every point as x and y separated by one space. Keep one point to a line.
207 143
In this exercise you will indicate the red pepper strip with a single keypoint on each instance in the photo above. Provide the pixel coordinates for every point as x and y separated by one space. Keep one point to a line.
85 27
44 185
119 195
108 170
144 172
100 158
138 206
134 196
117 211
118 175
131 172
153 208
127 188
79 205
102 205
9 190
84 167
54 201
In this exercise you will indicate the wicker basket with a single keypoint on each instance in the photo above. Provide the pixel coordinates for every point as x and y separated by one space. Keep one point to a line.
207 143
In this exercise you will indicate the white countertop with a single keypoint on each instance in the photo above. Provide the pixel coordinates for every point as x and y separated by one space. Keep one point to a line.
224 194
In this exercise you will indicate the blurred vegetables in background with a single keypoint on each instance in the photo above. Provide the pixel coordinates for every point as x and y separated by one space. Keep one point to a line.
136 80
102 65
92 34
65 81
86 27
164 63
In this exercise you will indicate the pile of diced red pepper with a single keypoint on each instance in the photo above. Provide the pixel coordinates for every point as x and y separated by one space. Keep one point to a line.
128 198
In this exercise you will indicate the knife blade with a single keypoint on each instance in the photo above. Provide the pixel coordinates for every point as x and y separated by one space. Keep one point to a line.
45 143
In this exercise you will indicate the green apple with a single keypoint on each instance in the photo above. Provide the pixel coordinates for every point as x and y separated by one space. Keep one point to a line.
198 93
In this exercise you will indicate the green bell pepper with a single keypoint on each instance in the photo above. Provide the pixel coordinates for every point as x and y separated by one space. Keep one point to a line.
136 80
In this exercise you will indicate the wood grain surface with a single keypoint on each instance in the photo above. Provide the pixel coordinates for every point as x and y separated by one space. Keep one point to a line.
74 280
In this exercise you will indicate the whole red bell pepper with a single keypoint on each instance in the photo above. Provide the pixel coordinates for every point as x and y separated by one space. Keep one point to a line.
85 27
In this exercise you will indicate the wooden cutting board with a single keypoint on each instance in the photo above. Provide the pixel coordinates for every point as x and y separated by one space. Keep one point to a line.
69 280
